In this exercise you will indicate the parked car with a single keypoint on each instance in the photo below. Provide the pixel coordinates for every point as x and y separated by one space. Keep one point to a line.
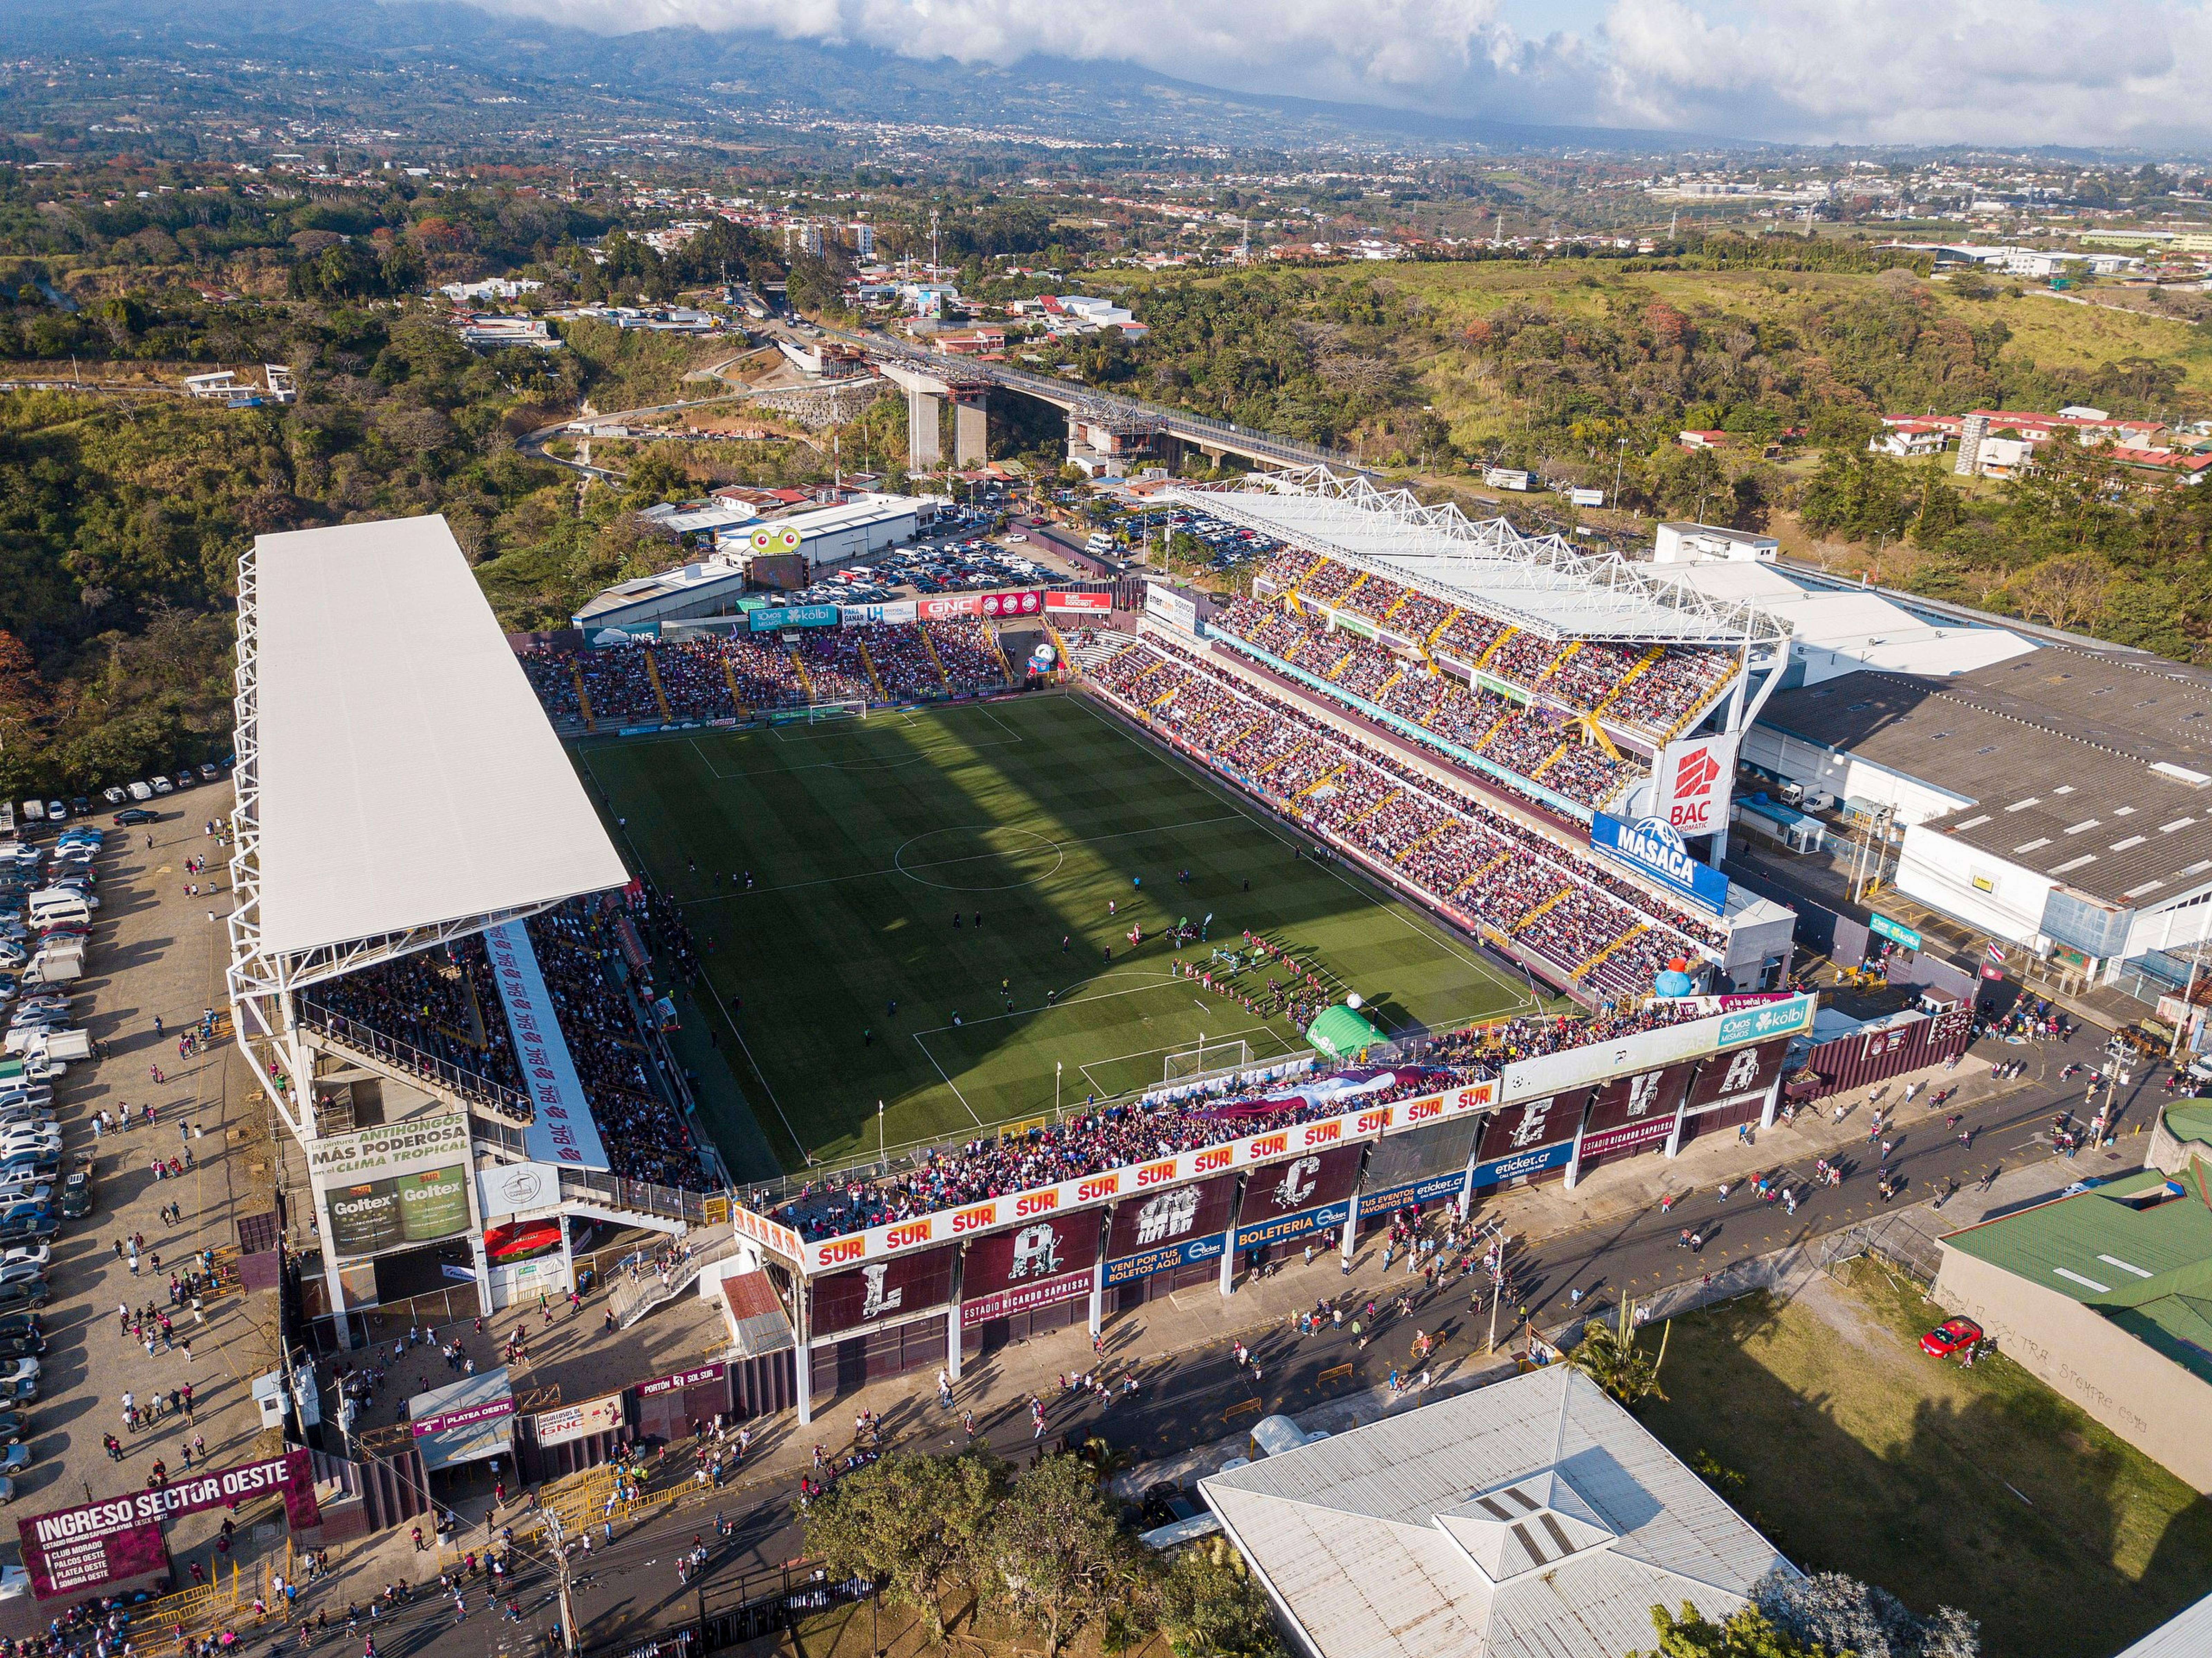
14 1425
163 786
133 815
7 1495
114 797
57 812
140 792
209 771
16 1297
29 1345
15 1459
1951 1336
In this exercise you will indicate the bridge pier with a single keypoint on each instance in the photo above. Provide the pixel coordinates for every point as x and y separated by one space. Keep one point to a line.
971 427
924 448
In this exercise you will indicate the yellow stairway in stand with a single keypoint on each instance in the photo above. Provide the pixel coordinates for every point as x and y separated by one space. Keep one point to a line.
1550 761
1482 874
1058 644
805 679
1413 847
1555 898
1553 667
1634 928
1437 631
1339 666
1396 674
583 697
869 662
1483 661
1329 776
653 678
1355 822
1396 604
1005 668
935 661
730 679
1636 671
1290 753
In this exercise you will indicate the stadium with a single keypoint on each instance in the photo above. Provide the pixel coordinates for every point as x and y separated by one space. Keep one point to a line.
947 970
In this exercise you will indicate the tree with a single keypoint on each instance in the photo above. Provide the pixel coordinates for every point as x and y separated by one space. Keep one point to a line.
1210 1607
1060 1553
1747 1634
1609 1356
2066 592
1846 1616
913 1523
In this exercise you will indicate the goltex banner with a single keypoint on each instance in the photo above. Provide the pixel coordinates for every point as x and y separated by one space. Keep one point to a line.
563 1132
77 1549
948 1225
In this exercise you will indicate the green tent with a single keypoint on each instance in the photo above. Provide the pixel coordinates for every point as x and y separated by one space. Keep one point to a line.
1340 1033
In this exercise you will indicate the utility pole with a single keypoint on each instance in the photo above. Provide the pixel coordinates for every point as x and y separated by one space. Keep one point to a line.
1619 459
933 241
561 1588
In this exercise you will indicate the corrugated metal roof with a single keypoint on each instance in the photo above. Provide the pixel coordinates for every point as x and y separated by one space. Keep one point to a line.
1531 1519
2187 1635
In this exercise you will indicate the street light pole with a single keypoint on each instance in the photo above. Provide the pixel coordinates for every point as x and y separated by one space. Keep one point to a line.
562 1587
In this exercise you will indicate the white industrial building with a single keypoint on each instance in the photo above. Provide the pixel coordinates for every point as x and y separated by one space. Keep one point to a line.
1534 1518
827 537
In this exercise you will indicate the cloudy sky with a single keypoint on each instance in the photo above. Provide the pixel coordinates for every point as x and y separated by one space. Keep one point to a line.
1998 71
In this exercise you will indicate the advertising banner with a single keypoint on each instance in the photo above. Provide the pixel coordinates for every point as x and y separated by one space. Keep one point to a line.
1167 1221
1099 602
398 1148
1896 931
84 1547
379 1215
1285 1189
1551 1073
1427 1189
774 618
682 1380
829 1254
1127 1269
1165 604
761 1230
1654 849
941 606
1691 783
1283 1226
1790 1017
1028 602
563 1132
594 1415
859 615
516 1188
1521 1164
894 1289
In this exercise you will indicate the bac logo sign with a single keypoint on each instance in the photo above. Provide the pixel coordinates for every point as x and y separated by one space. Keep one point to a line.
1693 779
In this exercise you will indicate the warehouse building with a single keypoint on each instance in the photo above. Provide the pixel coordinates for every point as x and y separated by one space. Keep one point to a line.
2106 1295
1535 1516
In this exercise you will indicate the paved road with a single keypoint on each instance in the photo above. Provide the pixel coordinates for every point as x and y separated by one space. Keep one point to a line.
631 1586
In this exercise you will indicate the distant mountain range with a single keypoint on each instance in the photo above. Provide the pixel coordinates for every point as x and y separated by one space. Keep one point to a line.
720 77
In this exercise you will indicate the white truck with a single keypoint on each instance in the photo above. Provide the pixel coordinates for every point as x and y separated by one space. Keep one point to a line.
56 962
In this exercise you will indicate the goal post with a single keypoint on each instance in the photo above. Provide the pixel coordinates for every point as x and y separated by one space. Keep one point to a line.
1223 1053
818 713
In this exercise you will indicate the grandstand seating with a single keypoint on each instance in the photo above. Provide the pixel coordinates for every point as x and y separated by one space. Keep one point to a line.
1120 1136
695 678
1655 691
444 1005
1586 925
1531 741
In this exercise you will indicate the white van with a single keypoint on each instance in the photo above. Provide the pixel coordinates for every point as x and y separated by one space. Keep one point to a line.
35 812
140 792
51 904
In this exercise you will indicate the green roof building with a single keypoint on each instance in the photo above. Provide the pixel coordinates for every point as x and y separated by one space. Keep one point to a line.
2106 1295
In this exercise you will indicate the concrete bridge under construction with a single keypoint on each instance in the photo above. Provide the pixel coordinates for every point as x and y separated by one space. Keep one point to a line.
1107 434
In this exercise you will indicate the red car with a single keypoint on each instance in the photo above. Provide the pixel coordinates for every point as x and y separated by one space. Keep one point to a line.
1953 1335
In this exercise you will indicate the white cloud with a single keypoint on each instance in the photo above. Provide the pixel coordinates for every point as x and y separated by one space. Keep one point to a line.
2055 71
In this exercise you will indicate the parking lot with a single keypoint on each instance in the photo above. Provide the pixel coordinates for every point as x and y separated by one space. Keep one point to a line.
136 1138
958 556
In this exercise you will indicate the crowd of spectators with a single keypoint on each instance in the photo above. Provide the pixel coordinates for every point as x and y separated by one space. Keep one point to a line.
1653 688
1531 740
697 675
445 1004
1580 924
1121 1136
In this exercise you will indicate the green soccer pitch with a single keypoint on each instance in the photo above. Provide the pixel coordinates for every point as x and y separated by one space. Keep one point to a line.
838 979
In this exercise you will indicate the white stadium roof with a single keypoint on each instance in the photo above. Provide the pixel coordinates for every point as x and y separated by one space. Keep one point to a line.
398 783
1538 583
